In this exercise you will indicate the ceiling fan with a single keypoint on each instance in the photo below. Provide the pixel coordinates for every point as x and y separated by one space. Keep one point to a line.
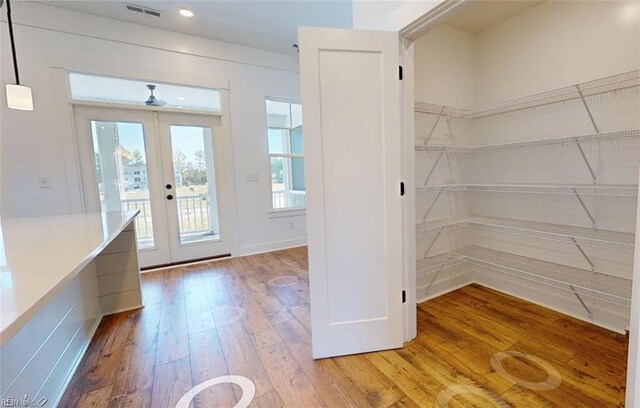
153 101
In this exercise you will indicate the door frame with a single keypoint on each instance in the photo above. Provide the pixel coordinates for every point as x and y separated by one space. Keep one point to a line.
64 112
407 36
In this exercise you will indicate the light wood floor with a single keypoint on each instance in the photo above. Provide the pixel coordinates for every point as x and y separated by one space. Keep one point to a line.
187 334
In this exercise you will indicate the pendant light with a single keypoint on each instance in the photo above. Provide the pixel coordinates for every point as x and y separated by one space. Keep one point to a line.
18 96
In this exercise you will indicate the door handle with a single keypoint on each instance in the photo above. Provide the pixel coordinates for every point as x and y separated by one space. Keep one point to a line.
169 197
168 186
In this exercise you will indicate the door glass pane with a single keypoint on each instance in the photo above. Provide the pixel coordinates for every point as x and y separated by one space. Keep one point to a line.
194 168
121 172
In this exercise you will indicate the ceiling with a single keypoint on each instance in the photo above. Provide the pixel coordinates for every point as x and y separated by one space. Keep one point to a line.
266 24
476 16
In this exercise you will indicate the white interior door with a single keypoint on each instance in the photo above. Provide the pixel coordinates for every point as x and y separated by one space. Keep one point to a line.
353 140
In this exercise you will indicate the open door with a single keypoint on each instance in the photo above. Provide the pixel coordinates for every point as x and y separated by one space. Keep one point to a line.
351 99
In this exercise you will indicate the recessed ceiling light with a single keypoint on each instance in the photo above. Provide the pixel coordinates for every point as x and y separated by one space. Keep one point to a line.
186 12
180 98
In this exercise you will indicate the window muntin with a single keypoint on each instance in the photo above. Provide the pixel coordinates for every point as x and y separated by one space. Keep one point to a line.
286 153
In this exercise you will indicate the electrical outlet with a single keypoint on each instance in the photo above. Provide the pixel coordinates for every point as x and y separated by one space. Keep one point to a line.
43 182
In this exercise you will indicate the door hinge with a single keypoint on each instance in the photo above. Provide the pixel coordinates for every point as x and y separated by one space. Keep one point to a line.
400 73
404 296
401 188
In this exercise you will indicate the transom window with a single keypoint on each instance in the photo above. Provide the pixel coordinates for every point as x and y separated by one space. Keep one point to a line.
286 153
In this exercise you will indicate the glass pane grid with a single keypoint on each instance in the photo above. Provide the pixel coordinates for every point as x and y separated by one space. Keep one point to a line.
286 149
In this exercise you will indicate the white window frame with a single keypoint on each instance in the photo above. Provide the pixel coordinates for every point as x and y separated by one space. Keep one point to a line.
278 212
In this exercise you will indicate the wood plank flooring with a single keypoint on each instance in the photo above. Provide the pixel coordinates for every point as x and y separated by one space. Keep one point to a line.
224 317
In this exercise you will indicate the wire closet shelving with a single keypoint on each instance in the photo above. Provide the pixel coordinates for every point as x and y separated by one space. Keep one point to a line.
580 282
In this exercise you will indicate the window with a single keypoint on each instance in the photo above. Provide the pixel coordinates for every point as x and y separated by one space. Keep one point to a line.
284 134
88 87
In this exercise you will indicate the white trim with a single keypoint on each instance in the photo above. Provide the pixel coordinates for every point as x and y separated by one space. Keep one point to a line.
96 104
288 212
429 20
270 247
406 37
83 351
276 212
408 211
633 377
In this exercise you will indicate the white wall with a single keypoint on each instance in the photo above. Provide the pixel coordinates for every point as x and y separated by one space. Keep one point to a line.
555 44
447 67
32 142
389 15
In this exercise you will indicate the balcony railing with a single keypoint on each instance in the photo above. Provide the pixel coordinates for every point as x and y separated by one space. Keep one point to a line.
194 216
289 199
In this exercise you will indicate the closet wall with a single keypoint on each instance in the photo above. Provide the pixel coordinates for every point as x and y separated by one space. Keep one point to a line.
479 236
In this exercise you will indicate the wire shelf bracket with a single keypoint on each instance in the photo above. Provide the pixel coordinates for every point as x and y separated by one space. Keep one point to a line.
442 267
433 204
434 241
585 208
595 127
435 124
433 168
584 254
581 301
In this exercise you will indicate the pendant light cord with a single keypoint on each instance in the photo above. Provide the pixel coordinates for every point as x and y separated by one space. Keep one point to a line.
13 43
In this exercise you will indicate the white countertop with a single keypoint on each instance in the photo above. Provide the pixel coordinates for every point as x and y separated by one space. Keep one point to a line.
39 255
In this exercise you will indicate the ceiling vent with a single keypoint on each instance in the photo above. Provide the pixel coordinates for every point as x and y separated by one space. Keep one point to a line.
142 10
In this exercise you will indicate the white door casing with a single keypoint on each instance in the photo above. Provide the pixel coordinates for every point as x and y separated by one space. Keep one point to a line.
353 141
633 378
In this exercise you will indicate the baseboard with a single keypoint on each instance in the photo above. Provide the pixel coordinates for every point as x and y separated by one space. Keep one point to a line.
444 292
567 305
270 247
447 284
126 309
603 317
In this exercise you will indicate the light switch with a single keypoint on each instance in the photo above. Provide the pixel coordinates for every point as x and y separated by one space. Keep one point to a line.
253 177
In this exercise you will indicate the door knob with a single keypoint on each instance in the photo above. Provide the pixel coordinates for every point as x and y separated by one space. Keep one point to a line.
169 197
168 186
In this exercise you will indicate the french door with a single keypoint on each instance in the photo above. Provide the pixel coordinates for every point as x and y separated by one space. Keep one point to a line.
169 166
